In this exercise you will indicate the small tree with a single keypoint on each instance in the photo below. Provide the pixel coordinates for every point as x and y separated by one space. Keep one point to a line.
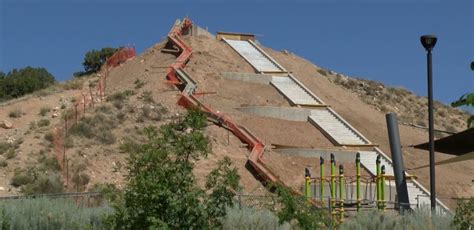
466 100
161 192
19 82
94 59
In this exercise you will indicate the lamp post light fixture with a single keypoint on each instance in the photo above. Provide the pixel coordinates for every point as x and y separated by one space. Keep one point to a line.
428 42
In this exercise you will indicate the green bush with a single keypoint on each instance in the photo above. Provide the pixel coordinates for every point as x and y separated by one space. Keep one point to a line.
138 83
419 219
98 128
167 197
148 97
15 113
250 218
94 59
464 217
44 183
21 178
19 82
43 122
4 147
3 163
48 163
44 111
10 154
44 213
49 137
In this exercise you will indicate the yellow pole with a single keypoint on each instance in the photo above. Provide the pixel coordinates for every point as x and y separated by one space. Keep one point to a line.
341 193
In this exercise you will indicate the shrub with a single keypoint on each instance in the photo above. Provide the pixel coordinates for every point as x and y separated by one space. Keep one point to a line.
138 83
120 96
417 219
68 142
49 137
250 218
4 147
19 82
44 111
10 154
48 164
98 127
45 183
148 97
3 163
21 178
73 84
80 180
44 213
464 217
15 113
43 122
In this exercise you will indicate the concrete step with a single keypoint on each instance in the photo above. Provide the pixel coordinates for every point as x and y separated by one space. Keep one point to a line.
256 57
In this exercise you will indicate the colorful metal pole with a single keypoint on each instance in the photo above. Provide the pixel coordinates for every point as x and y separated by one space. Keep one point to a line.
358 181
307 177
321 180
377 181
333 188
341 193
382 188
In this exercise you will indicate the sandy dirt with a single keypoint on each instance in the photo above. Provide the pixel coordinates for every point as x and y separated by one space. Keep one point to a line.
210 58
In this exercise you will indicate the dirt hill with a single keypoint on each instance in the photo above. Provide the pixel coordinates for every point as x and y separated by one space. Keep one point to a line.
139 96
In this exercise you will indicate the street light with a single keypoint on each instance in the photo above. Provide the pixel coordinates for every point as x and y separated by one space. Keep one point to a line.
428 42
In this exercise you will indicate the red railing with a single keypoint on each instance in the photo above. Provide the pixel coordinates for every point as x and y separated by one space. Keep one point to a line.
254 144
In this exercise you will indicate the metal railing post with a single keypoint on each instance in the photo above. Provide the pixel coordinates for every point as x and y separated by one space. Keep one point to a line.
321 180
358 181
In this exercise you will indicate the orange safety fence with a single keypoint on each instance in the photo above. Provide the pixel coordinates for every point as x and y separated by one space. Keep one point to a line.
81 104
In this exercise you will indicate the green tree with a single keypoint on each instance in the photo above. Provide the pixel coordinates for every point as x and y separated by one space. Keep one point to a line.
466 100
94 59
464 217
161 190
297 208
19 82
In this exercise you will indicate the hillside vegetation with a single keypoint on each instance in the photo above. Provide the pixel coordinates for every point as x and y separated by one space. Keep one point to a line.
410 108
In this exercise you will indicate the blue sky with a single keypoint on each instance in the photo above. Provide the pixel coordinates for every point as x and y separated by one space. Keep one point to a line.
377 40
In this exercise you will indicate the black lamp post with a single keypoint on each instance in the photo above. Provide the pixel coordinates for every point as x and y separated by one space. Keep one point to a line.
429 41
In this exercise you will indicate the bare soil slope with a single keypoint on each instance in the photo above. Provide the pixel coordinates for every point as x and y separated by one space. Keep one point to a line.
144 78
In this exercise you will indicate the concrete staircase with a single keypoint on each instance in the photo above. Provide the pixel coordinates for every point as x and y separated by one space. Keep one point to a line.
261 61
336 128
295 92
416 194
191 85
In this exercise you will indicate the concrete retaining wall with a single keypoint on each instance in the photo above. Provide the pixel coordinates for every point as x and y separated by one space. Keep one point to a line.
284 113
341 156
248 77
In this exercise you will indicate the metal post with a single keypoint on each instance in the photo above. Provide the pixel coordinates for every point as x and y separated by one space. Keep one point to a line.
307 177
428 42
382 188
333 188
321 180
341 193
431 133
358 181
377 181
403 202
